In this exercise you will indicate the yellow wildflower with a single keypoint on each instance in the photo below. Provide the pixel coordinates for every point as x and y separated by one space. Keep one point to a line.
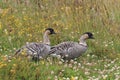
2 64
72 78
14 65
23 53
12 71
42 62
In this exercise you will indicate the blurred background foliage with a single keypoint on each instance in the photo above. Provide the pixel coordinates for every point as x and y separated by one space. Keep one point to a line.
24 21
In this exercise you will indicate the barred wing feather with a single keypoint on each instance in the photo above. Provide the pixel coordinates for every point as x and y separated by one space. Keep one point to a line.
35 49
68 50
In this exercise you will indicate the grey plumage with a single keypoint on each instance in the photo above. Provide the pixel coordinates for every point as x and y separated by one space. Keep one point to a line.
70 50
37 50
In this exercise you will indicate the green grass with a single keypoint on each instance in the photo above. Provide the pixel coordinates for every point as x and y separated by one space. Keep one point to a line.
21 23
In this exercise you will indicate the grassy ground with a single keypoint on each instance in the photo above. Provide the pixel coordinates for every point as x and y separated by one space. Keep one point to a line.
22 21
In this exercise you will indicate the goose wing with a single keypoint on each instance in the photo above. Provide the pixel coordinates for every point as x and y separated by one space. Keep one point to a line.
35 49
62 49
68 50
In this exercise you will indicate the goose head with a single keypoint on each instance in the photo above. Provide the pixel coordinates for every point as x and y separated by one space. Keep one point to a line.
84 37
87 35
50 31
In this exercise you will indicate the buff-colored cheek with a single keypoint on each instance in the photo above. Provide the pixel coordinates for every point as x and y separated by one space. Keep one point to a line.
48 32
86 36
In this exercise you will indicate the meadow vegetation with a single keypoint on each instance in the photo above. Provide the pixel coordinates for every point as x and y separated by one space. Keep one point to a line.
23 21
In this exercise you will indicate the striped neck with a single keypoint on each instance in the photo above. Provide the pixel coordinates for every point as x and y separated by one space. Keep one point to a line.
82 41
46 38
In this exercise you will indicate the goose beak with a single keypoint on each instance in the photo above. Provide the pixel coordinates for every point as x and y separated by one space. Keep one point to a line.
53 33
92 37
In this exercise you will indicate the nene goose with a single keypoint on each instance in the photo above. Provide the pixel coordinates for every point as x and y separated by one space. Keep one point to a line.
70 50
37 50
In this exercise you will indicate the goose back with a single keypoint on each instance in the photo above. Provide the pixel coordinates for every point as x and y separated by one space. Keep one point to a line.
68 50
